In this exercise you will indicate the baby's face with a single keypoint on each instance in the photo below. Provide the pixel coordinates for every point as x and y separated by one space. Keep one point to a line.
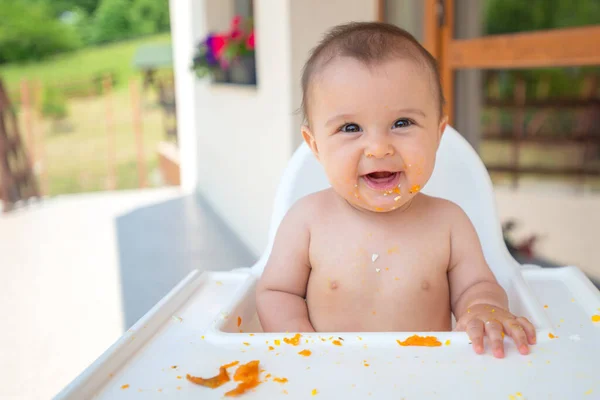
375 130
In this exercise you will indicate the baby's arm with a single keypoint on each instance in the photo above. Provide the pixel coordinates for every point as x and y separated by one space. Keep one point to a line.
281 290
479 303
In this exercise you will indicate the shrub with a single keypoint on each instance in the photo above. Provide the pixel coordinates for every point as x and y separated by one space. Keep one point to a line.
111 22
54 104
149 16
30 32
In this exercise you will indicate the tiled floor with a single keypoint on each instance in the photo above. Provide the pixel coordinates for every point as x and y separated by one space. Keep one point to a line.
76 271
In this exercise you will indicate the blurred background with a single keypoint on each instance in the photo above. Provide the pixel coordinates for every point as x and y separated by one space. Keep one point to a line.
141 139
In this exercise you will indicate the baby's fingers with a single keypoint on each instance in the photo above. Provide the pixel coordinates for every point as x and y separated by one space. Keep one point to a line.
529 329
494 330
475 332
517 333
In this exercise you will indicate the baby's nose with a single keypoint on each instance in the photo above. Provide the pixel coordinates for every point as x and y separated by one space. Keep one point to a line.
379 148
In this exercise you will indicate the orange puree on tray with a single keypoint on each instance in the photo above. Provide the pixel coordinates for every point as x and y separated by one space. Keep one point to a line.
247 375
295 341
213 382
416 340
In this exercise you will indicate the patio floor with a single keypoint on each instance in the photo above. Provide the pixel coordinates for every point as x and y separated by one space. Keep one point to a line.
76 271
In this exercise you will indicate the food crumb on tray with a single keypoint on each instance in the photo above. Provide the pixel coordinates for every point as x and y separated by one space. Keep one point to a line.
416 340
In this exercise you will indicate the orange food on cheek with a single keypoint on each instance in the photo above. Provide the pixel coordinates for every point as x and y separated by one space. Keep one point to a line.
414 189
416 340
239 322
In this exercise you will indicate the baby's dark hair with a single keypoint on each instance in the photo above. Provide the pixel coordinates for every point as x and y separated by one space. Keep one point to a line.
370 43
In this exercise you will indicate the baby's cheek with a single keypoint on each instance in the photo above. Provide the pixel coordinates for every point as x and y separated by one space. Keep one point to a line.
419 167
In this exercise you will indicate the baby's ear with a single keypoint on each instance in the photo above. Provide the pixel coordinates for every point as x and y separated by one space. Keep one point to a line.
442 127
309 138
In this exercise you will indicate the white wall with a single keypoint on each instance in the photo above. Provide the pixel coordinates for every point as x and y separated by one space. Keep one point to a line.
220 12
244 136
186 23
310 19
568 224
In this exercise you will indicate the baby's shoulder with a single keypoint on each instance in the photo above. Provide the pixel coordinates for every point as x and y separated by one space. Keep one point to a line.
442 209
312 206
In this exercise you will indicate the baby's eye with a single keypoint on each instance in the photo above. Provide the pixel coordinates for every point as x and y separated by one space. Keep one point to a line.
402 123
350 128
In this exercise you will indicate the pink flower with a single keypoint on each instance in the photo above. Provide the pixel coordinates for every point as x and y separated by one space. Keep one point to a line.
235 34
235 22
250 41
217 44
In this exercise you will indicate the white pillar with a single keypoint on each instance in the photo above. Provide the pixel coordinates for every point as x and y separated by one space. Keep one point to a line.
187 23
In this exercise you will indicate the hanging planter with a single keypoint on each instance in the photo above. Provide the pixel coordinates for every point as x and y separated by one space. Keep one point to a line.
243 70
228 57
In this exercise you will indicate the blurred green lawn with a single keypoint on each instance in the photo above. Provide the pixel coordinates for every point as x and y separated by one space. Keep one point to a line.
82 64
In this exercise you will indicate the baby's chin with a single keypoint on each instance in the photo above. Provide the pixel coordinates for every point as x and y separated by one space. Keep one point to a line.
379 204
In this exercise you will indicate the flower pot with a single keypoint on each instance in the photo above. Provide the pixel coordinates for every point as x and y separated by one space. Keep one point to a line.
220 76
243 70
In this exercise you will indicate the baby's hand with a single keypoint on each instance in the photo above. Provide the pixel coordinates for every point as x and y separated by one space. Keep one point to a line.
484 319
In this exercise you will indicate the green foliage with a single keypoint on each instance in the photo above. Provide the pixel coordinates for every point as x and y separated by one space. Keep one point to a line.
111 21
122 19
54 104
82 65
514 16
83 23
35 29
29 32
510 16
61 6
149 16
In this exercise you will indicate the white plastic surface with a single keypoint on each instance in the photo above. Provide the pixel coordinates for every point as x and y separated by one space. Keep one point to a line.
195 330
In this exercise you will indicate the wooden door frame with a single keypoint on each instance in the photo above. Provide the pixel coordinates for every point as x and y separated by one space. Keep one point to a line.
562 47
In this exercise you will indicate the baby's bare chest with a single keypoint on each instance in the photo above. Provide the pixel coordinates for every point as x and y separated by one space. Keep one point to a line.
354 257
377 277
354 246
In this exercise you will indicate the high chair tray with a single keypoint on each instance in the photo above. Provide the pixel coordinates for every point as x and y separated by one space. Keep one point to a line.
194 330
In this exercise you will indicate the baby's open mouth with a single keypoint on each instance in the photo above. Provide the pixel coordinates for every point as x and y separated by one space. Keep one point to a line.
382 180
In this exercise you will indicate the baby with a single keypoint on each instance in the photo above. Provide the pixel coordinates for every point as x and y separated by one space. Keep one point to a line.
372 253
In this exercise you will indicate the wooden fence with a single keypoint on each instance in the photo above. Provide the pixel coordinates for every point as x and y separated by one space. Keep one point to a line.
22 159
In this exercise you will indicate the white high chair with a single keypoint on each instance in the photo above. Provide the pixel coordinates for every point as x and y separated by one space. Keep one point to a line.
195 327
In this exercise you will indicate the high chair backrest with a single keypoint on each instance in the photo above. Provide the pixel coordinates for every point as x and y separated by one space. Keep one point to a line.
459 176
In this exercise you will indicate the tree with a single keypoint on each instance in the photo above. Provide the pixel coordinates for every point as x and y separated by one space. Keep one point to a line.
61 6
149 16
111 21
29 32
